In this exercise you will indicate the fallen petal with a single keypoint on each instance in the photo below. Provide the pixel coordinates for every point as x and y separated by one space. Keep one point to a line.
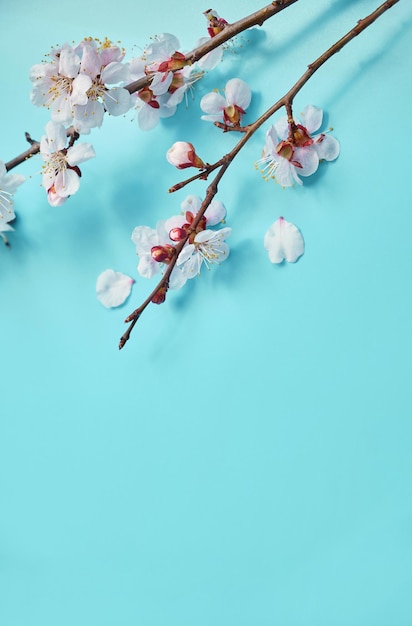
283 241
113 288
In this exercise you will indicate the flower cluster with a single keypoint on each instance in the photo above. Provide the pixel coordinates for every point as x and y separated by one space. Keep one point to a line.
157 247
79 84
171 77
203 245
291 149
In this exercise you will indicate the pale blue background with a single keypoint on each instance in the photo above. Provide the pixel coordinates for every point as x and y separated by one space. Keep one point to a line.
245 460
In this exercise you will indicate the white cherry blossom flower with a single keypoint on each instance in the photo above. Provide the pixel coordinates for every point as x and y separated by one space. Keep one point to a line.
58 85
61 174
103 66
229 108
8 186
291 153
208 247
284 241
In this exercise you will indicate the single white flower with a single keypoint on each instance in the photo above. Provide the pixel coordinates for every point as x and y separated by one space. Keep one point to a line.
208 247
229 108
284 241
290 153
61 174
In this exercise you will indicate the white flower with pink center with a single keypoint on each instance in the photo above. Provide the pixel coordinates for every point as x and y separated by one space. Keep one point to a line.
293 152
228 108
61 174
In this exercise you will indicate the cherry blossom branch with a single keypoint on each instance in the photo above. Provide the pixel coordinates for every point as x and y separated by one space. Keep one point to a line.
231 30
163 284
285 101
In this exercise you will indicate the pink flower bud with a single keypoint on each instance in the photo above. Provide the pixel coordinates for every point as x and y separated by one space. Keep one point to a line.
177 234
162 254
182 154
160 296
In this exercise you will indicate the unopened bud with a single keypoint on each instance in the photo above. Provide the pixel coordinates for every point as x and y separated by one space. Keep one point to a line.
160 296
162 254
177 234
182 154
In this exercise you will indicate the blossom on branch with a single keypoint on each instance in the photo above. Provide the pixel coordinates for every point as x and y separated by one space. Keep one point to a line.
61 174
291 151
8 186
155 249
208 247
229 108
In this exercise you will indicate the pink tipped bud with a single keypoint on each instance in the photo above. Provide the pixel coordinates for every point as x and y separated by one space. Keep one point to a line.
182 154
162 254
177 234
216 23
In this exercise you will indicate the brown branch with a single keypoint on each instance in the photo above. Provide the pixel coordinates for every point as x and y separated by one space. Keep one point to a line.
286 101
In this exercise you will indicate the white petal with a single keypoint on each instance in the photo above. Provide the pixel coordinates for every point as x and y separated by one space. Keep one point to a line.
328 148
311 117
79 153
113 288
284 240
117 101
191 203
144 238
213 103
80 85
308 158
215 213
211 59
147 266
282 127
56 135
148 117
238 92
66 183
185 254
